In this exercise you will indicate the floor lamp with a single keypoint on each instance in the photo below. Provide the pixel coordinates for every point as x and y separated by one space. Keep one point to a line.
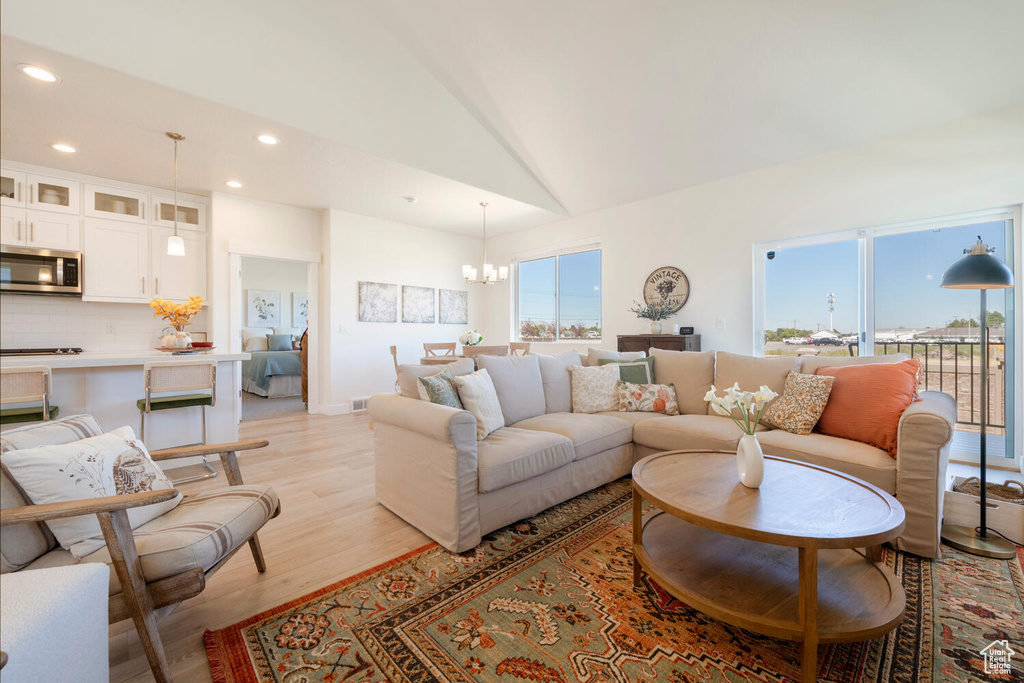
979 270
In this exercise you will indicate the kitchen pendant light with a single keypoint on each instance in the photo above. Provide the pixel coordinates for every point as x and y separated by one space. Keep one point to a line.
175 244
491 274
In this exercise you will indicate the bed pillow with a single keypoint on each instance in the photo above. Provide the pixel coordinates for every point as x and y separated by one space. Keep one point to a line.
111 464
295 332
476 391
253 344
867 402
279 342
593 388
634 371
647 398
801 403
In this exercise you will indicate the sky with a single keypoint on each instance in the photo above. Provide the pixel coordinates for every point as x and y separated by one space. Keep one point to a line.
580 289
908 272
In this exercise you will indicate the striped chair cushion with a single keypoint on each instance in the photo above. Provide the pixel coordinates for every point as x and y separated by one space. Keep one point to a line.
64 430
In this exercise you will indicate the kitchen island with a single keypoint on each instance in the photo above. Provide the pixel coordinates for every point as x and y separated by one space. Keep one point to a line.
107 386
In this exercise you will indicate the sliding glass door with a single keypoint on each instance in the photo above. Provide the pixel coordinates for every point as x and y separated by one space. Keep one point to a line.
877 291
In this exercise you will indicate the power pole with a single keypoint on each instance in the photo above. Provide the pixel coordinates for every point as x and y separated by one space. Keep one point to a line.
831 310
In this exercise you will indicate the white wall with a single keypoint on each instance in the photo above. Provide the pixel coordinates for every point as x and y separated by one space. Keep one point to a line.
708 231
358 248
259 227
28 321
286 277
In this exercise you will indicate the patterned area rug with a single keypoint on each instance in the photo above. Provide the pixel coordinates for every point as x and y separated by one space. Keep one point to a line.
552 599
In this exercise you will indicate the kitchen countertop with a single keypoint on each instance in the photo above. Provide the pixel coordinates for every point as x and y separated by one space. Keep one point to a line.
98 360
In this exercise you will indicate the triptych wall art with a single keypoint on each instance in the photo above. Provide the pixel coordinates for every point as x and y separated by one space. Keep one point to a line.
378 303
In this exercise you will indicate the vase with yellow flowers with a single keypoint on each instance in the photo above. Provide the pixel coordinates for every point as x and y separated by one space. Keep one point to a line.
179 316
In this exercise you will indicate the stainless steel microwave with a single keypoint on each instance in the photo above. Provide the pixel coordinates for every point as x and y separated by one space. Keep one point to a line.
28 270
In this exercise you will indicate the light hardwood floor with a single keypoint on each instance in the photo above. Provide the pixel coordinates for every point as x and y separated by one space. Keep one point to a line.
330 527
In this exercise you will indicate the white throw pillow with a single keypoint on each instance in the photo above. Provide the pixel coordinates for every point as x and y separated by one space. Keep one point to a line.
255 344
476 391
595 355
593 388
106 465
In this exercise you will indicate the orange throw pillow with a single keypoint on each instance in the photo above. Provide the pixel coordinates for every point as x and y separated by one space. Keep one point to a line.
867 402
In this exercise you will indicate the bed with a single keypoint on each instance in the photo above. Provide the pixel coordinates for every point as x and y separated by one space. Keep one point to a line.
271 374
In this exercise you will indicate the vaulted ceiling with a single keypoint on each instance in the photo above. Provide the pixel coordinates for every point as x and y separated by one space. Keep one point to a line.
546 109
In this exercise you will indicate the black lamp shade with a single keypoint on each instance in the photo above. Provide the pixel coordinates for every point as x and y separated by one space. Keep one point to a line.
978 271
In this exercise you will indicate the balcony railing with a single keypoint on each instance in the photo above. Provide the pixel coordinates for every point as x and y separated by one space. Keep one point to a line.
955 368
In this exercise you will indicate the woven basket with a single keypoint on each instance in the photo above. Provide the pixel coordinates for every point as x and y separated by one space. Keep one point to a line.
1011 491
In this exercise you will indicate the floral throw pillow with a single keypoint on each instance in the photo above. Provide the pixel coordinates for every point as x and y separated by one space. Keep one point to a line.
440 388
647 398
802 402
111 464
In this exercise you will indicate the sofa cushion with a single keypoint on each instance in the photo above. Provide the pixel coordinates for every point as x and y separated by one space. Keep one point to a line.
593 389
440 389
476 391
692 374
518 383
595 355
196 534
809 364
590 434
53 433
554 373
647 398
633 418
634 371
871 464
408 374
751 372
511 455
798 408
684 432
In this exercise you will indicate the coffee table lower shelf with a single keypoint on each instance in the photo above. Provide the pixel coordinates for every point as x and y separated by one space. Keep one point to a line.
756 585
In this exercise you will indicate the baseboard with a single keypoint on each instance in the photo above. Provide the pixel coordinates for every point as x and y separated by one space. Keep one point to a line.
335 409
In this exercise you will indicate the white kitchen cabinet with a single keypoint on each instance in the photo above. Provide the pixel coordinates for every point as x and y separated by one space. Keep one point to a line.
115 261
12 189
47 193
13 226
113 203
191 215
48 230
178 277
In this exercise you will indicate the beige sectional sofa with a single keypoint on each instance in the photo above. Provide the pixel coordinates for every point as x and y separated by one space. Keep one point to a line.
432 471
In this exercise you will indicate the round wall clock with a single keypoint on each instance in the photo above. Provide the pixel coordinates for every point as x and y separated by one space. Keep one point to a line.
667 284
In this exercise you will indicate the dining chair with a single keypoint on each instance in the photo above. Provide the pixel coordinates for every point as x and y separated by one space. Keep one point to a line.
519 348
27 384
394 357
430 349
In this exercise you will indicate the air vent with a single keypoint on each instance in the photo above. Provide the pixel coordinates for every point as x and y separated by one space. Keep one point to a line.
359 404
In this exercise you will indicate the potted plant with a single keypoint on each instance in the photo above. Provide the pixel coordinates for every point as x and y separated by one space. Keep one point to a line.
179 316
655 311
749 405
471 338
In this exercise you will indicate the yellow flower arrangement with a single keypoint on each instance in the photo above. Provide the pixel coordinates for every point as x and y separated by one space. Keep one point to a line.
178 315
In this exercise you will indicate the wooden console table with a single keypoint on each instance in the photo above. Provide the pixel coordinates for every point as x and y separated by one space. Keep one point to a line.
669 342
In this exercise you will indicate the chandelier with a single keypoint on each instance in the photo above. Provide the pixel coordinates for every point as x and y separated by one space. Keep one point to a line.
491 275
175 244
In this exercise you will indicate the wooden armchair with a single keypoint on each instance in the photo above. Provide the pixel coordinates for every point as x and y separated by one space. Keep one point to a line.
144 599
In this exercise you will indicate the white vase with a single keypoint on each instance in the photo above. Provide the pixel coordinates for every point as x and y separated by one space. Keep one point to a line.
655 327
750 461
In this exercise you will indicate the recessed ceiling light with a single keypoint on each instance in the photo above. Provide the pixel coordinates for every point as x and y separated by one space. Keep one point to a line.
38 73
233 183
411 200
60 147
268 139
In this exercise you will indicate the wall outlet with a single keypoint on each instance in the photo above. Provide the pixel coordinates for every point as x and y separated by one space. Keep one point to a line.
343 329
110 328
720 323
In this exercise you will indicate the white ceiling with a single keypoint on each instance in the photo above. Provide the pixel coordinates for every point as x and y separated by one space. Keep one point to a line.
545 109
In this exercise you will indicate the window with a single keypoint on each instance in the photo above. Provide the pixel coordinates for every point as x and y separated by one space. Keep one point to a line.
559 297
877 291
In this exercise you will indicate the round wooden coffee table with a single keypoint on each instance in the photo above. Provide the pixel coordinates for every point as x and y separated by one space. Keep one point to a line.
783 560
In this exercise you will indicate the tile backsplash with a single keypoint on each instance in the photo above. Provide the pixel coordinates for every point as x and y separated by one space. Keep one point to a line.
28 321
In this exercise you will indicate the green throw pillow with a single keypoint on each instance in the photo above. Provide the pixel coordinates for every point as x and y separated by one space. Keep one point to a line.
633 371
440 388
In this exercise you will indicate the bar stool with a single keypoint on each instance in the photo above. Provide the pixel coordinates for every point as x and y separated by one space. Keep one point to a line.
161 377
28 384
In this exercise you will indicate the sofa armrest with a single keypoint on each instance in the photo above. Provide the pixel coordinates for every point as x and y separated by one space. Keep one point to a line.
426 467
923 444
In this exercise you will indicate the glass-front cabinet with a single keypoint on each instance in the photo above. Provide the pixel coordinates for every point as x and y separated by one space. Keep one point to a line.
46 193
191 215
12 188
123 205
